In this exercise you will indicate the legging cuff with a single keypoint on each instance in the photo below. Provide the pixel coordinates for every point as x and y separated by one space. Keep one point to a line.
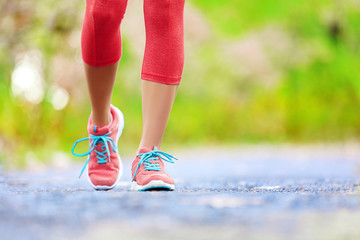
161 79
101 64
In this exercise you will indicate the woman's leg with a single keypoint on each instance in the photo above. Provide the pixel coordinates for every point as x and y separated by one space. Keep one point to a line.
162 66
157 101
101 51
100 81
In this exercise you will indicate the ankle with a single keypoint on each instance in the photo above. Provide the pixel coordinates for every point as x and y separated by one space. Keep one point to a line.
100 120
149 146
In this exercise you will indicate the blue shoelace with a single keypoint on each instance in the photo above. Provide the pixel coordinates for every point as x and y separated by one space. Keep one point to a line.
150 160
101 156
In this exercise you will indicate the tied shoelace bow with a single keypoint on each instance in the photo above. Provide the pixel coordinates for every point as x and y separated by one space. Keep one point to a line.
150 160
101 156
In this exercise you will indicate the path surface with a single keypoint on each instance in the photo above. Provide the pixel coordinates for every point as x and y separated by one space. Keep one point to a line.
235 193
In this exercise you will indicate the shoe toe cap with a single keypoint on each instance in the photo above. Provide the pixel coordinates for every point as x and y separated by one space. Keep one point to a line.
148 178
103 178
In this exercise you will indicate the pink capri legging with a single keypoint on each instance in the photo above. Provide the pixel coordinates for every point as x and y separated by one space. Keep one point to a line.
164 50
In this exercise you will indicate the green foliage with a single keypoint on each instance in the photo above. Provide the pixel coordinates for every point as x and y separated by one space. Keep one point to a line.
316 101
233 17
314 96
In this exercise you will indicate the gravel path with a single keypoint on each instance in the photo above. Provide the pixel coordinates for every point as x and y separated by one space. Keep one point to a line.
254 192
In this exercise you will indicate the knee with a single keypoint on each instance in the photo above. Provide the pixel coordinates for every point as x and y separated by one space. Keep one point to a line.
163 10
109 11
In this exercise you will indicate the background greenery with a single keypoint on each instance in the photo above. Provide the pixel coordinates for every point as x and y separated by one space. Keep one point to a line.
256 71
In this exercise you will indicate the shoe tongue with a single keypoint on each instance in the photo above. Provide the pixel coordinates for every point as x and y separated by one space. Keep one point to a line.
95 130
145 150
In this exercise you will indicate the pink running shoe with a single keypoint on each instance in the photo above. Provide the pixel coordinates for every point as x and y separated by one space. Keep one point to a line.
104 165
148 170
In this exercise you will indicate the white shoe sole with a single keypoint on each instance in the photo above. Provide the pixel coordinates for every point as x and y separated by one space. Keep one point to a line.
121 127
154 184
